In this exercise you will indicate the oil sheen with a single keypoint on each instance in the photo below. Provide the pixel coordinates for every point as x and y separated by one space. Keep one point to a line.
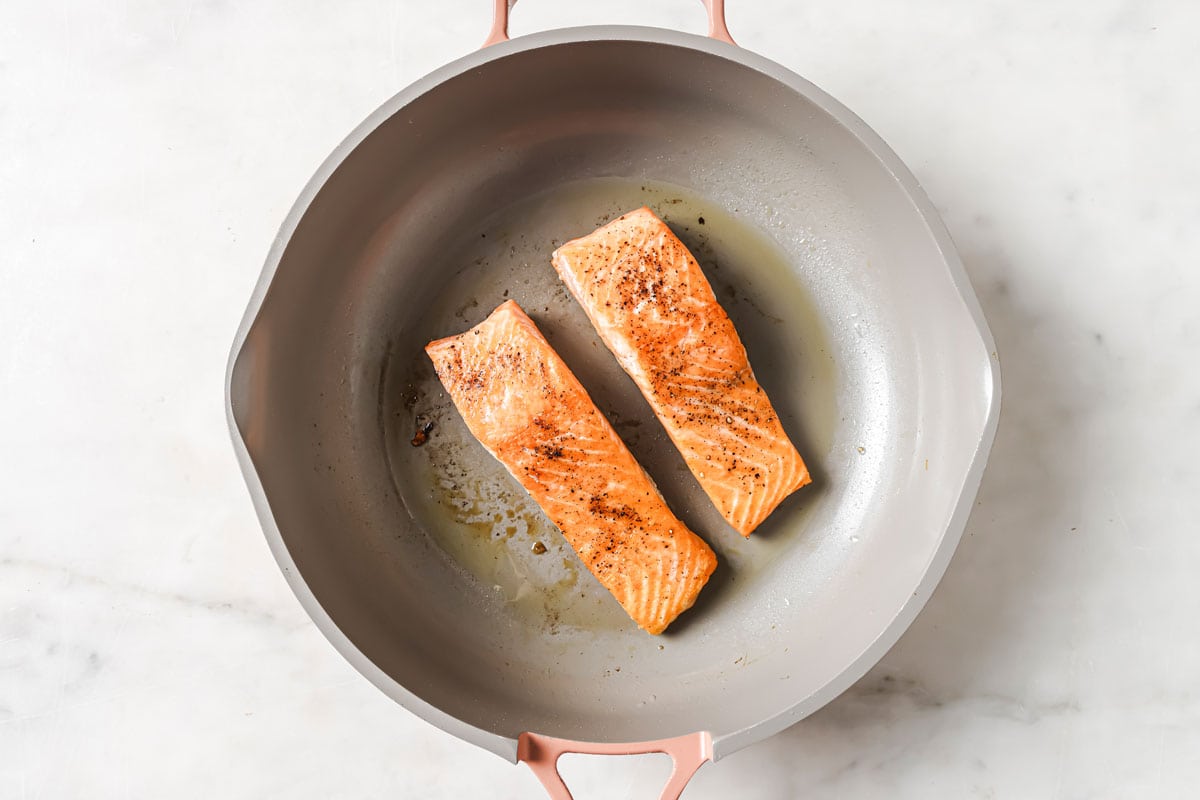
478 516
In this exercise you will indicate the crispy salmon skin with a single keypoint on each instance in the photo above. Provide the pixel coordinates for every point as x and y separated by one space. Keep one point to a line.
651 304
526 407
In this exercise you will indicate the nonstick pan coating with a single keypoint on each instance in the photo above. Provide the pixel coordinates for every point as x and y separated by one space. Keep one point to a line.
417 562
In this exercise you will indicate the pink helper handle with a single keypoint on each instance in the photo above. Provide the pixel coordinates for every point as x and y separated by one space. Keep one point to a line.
688 754
716 21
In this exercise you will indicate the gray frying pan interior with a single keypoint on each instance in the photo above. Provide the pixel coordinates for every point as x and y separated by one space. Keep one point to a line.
419 562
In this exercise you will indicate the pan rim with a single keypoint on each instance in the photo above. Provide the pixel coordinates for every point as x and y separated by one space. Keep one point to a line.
725 743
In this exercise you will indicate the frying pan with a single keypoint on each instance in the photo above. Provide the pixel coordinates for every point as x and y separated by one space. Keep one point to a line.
429 569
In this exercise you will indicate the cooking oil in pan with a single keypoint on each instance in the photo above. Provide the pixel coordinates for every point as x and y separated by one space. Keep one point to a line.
479 516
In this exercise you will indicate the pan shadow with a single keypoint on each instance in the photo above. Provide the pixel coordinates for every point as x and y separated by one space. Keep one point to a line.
943 665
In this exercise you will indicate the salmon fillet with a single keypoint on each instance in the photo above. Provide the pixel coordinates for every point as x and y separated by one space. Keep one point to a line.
656 312
530 412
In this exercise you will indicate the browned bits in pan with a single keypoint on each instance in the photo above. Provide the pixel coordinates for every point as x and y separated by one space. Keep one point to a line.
424 427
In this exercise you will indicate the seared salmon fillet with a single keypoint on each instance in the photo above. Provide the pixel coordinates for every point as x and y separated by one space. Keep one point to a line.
656 312
530 412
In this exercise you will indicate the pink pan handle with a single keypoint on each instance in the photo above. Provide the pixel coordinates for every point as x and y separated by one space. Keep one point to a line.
716 21
688 754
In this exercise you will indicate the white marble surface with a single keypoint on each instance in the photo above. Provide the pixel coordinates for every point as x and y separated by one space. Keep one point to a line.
149 647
